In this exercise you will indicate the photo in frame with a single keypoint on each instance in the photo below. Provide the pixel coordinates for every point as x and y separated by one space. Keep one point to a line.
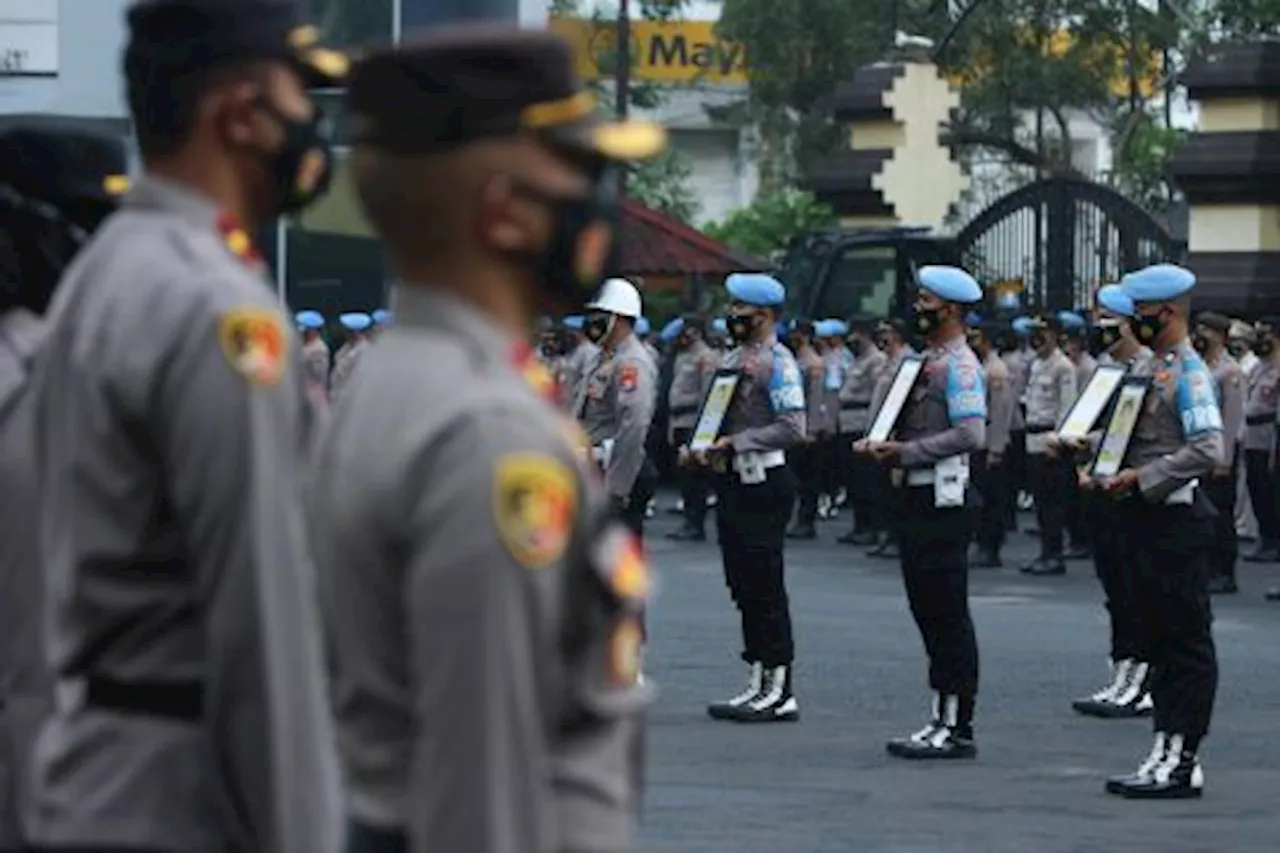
886 417
714 407
1092 402
1119 431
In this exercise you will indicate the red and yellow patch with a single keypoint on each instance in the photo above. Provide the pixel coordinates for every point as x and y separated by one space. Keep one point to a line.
238 241
255 343
535 499
540 379
624 652
630 575
629 377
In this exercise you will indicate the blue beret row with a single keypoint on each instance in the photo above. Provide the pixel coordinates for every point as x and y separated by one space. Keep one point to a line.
1070 320
309 320
758 289
1158 283
720 326
643 326
355 321
573 321
382 317
672 330
1023 326
950 283
1114 299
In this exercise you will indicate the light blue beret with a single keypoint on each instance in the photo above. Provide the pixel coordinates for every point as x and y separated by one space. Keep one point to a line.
720 326
672 330
1158 283
836 328
382 317
950 283
309 320
756 288
1023 326
973 318
1069 320
1113 298
642 326
355 321
573 321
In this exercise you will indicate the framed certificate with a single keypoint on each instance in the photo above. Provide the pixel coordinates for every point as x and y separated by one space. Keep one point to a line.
886 417
714 408
1092 401
1124 419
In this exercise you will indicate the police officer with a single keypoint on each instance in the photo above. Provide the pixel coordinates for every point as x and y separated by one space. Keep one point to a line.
943 422
718 335
315 353
866 361
382 319
1015 350
580 354
891 339
1210 340
482 604
616 400
755 490
694 369
1051 390
1175 446
1126 693
989 465
56 184
1260 417
190 708
806 459
359 328
1075 344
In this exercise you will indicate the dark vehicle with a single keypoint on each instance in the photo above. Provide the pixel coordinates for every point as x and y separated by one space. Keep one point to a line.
862 272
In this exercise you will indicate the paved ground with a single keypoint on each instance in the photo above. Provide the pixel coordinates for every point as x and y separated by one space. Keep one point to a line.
826 784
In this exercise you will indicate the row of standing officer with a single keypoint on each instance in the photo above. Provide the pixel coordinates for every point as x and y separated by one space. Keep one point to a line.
466 554
327 371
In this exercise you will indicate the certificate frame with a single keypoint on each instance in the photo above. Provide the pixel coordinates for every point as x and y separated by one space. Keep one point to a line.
890 409
1130 400
711 414
1092 401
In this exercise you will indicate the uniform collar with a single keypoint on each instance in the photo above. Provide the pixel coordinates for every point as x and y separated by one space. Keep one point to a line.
420 307
155 193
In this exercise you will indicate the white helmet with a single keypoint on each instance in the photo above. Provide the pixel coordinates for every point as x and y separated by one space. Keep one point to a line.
617 296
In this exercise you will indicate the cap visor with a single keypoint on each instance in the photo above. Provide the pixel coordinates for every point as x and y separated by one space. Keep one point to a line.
620 140
323 68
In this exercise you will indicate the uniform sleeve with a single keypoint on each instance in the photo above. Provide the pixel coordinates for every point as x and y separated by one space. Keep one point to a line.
1001 414
1066 391
1232 412
813 396
230 420
966 414
786 402
637 395
508 640
1201 422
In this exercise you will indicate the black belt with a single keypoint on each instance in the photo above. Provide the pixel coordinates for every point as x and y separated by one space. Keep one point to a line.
854 407
1036 430
683 410
1259 420
176 700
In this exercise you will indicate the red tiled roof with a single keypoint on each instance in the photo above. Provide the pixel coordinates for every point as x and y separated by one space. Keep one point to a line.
654 243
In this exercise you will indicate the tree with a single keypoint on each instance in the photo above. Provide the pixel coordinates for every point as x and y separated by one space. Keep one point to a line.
664 184
764 228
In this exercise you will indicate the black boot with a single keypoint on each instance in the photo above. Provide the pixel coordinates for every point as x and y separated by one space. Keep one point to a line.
1045 566
1098 705
775 703
948 735
1119 784
1132 698
755 681
1178 777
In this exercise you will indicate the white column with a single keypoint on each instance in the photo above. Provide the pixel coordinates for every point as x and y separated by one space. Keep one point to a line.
282 257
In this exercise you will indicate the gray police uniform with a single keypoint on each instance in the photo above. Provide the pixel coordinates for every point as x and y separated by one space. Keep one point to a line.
692 374
576 366
1051 390
854 420
171 432
318 361
1260 431
345 362
1221 485
806 459
482 609
991 472
616 404
25 684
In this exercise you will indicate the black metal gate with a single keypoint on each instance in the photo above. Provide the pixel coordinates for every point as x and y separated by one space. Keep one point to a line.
1060 238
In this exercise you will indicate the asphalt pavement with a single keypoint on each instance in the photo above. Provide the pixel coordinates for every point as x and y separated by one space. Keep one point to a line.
825 783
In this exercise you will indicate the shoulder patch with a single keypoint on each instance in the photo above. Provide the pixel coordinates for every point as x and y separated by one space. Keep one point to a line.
629 576
624 652
535 497
254 343
628 377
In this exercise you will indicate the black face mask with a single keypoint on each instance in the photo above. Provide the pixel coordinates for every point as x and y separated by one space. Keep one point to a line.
301 169
1201 343
1148 328
1237 349
584 248
927 319
1038 341
882 343
1264 348
854 345
740 328
596 328
1102 338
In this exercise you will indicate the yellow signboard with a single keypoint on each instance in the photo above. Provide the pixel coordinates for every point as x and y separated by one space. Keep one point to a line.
685 52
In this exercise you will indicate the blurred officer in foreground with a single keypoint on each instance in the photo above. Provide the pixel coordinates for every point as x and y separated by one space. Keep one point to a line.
617 399
755 490
482 604
1176 445
1126 693
693 371
316 358
56 186
1260 432
1051 390
989 465
1210 340
359 330
173 428
943 421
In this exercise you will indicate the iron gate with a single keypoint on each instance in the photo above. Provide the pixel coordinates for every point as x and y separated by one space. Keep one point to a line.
1060 238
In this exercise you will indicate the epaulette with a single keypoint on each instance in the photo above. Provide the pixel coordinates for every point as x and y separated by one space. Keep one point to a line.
535 373
238 241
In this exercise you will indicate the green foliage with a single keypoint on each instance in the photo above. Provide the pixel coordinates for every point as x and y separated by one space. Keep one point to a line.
1140 168
664 184
764 228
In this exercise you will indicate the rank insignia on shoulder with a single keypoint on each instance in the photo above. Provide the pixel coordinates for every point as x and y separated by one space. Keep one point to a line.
629 576
628 377
624 652
535 499
238 241
255 343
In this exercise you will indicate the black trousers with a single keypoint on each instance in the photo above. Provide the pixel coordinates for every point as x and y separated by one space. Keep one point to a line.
638 502
1015 475
1113 561
862 476
1048 477
751 523
1075 507
935 569
1259 480
993 485
806 461
369 839
1221 492
694 482
1170 549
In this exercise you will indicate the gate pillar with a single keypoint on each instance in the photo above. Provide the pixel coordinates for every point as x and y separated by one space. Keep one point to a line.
1229 171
